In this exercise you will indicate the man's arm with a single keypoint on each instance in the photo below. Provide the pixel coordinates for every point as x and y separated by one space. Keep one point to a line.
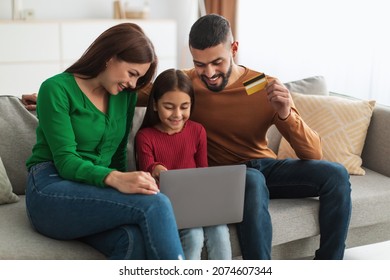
30 101
305 141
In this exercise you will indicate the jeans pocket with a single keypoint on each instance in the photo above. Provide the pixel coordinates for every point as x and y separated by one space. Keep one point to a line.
42 175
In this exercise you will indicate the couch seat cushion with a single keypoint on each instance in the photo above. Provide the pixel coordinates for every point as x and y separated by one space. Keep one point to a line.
19 241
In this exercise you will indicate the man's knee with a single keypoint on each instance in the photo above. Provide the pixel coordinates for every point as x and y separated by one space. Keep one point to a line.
338 178
255 184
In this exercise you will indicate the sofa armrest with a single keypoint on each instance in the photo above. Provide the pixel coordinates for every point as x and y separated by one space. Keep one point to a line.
376 149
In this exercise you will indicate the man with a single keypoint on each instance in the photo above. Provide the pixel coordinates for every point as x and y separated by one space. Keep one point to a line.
236 123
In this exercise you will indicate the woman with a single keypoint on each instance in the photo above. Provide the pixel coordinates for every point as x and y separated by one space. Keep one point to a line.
78 186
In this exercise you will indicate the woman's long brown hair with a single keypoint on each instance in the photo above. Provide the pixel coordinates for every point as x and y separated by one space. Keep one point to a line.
125 41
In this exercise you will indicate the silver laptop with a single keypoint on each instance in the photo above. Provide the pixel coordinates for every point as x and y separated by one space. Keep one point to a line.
205 196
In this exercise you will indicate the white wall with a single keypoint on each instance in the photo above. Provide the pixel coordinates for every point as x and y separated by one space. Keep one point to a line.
346 41
185 12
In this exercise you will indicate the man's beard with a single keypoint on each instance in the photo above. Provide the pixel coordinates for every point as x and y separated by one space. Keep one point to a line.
225 80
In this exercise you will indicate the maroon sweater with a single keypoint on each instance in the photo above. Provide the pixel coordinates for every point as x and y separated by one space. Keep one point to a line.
185 149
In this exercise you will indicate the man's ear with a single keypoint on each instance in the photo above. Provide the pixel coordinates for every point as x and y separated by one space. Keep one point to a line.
234 48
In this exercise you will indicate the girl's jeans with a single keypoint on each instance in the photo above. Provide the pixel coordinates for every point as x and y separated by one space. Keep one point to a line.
121 226
290 178
217 242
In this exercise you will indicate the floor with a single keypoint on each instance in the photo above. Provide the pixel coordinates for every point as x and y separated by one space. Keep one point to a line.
378 251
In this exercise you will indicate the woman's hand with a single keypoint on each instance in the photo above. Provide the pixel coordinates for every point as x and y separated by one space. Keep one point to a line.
132 182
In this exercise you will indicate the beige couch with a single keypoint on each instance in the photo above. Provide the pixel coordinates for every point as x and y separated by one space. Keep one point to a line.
295 222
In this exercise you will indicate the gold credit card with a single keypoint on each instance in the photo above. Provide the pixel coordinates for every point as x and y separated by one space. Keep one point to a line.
255 84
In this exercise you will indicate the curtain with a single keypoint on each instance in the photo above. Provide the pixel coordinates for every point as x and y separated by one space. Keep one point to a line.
225 8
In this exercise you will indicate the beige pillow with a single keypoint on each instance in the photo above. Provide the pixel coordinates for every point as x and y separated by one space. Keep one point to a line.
342 124
6 194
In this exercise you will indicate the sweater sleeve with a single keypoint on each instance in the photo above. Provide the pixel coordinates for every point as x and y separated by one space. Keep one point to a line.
305 141
144 150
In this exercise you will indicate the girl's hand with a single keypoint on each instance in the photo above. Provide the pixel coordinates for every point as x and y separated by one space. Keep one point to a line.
132 182
156 171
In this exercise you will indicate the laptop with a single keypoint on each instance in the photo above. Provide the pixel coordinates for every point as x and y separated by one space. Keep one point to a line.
205 196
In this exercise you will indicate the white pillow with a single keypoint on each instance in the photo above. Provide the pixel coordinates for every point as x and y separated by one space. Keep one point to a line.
6 194
342 124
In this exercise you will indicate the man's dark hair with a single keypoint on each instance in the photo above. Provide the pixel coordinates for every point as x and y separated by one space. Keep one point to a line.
209 31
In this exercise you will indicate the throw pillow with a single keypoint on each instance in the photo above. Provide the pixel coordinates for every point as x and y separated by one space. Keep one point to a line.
310 85
6 194
342 124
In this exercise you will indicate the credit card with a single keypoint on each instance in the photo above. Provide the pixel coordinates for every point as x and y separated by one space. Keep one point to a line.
255 84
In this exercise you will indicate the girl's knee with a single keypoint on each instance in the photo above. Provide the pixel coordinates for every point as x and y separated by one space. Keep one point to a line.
192 239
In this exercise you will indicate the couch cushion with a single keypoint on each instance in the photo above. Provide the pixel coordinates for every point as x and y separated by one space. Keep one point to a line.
294 219
342 124
6 194
17 137
137 121
19 241
375 154
370 199
310 85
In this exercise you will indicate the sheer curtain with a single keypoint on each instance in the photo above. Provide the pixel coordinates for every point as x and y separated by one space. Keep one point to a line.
345 41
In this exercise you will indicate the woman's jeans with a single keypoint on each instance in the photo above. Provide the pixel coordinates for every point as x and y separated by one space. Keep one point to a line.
290 178
121 226
217 242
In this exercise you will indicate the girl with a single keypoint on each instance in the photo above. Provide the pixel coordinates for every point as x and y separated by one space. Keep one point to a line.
78 186
169 140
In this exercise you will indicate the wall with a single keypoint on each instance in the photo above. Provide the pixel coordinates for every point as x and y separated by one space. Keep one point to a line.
183 11
345 41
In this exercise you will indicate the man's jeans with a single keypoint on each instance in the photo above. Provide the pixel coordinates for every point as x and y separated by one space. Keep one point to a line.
290 178
121 226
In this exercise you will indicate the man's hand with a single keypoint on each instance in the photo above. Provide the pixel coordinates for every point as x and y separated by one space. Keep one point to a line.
30 101
280 98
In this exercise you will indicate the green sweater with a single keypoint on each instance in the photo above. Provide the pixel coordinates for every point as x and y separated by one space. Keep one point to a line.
84 143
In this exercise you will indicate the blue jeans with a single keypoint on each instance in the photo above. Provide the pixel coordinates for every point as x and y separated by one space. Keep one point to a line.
290 178
217 242
121 226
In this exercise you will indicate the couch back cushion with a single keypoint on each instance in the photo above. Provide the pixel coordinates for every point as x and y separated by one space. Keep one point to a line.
137 121
376 149
17 137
